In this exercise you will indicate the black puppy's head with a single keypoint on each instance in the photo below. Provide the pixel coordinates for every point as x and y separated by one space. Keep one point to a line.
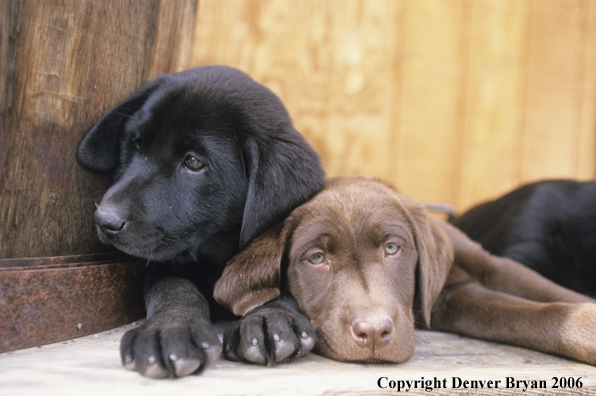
202 161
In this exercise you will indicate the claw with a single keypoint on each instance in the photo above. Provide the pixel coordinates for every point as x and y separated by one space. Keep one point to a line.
231 355
283 349
307 342
129 363
253 354
155 371
184 367
212 352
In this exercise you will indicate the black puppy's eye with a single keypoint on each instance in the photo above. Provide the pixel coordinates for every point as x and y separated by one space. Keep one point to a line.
317 258
391 249
137 143
193 163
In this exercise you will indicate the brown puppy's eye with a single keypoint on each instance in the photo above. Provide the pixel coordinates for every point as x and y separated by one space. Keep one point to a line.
317 258
391 249
193 163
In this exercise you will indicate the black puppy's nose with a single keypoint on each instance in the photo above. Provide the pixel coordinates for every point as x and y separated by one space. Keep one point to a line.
372 331
109 220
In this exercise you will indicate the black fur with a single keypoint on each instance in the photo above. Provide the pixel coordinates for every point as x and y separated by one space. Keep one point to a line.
550 226
189 221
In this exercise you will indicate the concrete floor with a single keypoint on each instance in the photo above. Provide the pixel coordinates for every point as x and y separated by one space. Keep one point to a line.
91 366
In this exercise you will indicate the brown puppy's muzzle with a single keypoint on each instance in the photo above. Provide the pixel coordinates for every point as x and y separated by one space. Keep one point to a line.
372 331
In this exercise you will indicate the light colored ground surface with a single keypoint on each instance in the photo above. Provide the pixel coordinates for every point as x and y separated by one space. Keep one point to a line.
91 366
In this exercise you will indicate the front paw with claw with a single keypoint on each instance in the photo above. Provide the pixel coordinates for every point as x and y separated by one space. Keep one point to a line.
269 335
166 346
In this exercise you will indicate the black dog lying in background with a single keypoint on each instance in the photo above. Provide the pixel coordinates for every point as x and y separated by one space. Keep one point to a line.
550 226
203 161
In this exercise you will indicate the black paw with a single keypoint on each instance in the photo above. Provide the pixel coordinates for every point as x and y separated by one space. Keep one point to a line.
169 346
269 335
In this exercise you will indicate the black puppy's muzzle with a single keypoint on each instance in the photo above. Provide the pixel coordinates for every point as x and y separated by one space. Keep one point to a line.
109 220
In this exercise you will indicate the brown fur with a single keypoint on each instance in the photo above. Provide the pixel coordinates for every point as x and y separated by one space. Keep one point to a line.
364 301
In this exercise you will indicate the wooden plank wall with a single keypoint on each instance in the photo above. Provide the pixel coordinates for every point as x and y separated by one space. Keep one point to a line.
451 100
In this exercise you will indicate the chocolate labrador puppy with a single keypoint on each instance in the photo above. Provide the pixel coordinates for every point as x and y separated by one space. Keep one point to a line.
367 264
203 161
550 226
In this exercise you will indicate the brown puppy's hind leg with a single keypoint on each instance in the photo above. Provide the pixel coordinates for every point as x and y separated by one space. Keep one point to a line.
468 308
505 275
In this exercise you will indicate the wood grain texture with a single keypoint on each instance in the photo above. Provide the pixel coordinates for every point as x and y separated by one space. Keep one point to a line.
73 60
495 101
435 50
455 100
587 142
555 88
10 25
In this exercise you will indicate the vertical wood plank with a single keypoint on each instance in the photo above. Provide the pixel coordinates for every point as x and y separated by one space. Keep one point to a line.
430 99
555 89
587 141
496 97
10 26
174 33
358 133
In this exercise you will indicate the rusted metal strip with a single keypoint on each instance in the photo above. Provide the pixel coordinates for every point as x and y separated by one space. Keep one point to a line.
58 299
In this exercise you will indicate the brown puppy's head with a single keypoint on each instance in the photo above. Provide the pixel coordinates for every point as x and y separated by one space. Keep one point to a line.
361 262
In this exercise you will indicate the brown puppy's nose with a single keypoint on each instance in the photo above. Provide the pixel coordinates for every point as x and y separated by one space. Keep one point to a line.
372 331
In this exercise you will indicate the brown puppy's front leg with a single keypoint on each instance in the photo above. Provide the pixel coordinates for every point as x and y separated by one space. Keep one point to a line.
468 308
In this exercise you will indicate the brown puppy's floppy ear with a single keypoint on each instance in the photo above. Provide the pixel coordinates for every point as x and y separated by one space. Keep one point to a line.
252 277
435 257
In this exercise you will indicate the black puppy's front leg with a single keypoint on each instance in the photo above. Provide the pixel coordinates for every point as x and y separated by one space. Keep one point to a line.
178 338
275 332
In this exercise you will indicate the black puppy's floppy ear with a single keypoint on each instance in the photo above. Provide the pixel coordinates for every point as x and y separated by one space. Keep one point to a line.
283 172
435 257
252 277
99 150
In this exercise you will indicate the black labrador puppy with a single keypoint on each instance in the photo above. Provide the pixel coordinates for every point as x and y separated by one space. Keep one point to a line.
550 226
203 161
